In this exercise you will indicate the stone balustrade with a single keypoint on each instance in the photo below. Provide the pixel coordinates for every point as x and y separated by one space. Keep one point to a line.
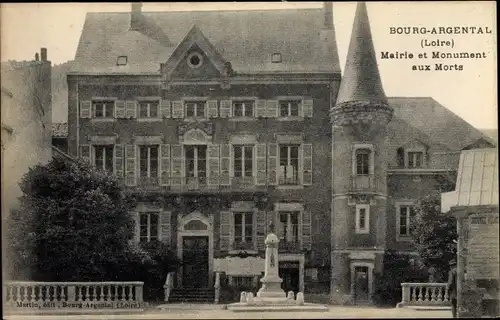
22 295
424 294
217 288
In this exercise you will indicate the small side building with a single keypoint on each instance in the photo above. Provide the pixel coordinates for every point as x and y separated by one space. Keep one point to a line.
475 205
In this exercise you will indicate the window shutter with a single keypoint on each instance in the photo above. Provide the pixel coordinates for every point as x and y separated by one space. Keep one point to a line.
177 109
165 108
166 227
177 165
261 230
119 161
213 165
225 231
212 111
119 109
130 165
165 164
225 109
272 108
86 109
225 164
306 169
130 109
272 166
85 152
307 108
260 164
260 108
306 230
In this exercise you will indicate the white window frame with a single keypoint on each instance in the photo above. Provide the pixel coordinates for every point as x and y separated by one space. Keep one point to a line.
148 236
104 146
244 209
289 225
371 161
289 101
413 153
148 103
366 228
195 158
104 103
148 160
254 225
243 159
195 111
245 103
289 158
399 205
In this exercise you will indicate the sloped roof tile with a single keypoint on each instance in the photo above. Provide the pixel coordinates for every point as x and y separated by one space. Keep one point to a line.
245 38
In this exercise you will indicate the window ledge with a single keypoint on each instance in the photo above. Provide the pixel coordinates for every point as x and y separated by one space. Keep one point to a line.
242 119
103 119
240 251
362 231
404 239
290 187
149 119
195 119
290 118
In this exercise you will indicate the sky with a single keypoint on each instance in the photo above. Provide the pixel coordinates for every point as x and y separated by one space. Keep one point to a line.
470 93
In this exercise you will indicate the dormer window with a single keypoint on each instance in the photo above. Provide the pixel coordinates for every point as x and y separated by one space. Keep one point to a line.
195 60
121 61
276 57
415 159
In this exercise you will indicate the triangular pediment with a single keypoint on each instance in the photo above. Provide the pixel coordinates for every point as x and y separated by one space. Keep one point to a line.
195 57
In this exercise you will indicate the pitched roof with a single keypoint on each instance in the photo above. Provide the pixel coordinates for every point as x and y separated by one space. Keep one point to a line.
477 180
246 38
361 79
436 121
59 130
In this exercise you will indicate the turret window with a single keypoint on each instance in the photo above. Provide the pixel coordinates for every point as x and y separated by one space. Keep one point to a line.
363 161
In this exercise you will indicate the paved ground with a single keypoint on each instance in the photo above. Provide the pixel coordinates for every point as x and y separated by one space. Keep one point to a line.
215 312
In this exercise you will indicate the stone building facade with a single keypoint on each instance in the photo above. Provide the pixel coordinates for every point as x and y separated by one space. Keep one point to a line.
222 122
26 122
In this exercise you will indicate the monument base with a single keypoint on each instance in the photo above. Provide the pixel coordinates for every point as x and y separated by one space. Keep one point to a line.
276 307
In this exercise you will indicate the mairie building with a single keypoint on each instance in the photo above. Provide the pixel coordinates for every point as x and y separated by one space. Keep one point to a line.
221 122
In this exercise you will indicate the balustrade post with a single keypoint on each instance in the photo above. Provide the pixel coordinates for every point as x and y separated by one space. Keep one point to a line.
138 292
168 286
217 287
71 293
405 295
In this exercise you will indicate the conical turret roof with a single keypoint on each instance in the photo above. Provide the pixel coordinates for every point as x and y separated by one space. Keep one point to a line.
361 80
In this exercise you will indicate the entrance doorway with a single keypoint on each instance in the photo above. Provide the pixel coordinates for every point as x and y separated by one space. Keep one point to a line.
289 272
195 268
361 284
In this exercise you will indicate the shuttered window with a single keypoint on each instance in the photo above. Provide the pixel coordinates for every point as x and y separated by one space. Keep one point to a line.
103 157
243 108
148 109
289 108
119 160
289 164
148 161
243 161
195 109
196 161
243 230
103 109
148 226
288 226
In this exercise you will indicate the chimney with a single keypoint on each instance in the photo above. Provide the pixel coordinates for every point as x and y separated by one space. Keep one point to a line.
37 58
43 54
328 11
136 16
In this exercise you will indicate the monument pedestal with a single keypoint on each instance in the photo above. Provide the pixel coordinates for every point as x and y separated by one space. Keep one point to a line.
270 296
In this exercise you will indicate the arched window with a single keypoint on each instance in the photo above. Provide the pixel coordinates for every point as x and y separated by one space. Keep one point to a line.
363 161
401 157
